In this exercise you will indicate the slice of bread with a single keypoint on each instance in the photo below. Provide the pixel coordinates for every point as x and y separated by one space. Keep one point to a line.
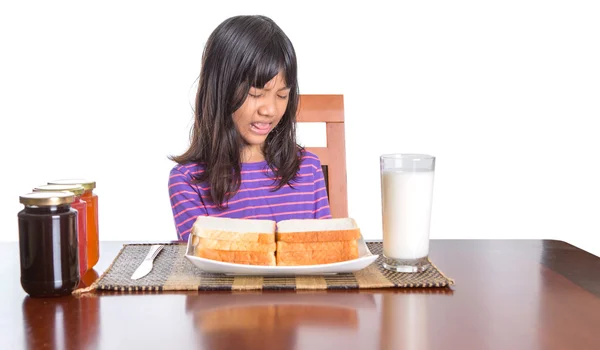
340 246
314 257
235 245
227 229
309 261
317 230
238 257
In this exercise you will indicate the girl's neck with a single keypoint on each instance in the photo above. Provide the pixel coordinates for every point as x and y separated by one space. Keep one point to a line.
252 154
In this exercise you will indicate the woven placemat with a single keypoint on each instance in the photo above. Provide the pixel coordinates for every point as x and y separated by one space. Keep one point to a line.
172 271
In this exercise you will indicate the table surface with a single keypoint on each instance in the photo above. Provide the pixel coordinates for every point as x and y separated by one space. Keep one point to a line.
509 294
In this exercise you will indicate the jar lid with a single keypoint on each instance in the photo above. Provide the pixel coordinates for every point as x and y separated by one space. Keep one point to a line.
87 184
76 189
45 199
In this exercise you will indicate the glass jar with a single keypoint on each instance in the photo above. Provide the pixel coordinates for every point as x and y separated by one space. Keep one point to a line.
81 207
48 244
91 200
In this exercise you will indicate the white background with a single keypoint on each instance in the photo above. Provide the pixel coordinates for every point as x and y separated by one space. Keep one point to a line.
505 94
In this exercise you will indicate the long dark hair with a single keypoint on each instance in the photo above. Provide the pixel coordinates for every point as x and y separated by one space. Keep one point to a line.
242 52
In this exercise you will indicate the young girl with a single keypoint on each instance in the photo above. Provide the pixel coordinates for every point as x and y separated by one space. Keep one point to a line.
243 161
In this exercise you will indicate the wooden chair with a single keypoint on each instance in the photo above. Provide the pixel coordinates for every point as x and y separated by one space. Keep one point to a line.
329 109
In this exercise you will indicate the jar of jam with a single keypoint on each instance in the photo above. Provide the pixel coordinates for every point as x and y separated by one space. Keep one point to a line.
81 207
91 200
48 244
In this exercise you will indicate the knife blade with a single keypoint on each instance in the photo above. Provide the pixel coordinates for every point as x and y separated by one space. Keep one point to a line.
146 265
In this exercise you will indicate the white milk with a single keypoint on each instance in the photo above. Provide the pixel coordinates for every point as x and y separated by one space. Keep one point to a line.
406 206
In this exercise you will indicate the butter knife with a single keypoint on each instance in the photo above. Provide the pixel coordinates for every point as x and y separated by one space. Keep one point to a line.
146 265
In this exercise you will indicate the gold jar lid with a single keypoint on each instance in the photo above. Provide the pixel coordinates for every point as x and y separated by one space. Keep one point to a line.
87 184
76 189
45 199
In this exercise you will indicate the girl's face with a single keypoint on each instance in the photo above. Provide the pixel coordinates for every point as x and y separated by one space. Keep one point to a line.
261 111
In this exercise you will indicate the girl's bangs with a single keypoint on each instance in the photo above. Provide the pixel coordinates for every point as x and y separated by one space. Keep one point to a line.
266 66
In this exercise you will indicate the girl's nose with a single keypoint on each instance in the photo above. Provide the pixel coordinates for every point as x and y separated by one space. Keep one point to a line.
267 108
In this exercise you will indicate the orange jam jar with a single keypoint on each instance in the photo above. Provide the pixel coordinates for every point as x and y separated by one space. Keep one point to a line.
91 199
81 207
48 247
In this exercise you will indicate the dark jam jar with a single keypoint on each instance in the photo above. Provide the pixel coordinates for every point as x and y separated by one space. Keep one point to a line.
48 244
81 207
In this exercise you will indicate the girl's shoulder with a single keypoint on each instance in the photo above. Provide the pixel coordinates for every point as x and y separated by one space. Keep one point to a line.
189 170
307 157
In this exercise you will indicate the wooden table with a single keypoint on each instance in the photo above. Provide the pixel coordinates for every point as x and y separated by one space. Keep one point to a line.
509 294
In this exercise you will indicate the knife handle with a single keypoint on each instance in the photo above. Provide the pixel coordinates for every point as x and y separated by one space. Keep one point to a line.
153 250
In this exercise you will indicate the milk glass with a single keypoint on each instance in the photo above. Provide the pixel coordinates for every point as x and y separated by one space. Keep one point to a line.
406 200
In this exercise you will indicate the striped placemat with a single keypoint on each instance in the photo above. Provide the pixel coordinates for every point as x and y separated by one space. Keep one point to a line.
172 271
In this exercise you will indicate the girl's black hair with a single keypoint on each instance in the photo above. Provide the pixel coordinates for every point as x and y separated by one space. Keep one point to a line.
242 52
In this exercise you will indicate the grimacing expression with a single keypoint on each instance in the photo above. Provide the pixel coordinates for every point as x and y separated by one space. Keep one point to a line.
262 110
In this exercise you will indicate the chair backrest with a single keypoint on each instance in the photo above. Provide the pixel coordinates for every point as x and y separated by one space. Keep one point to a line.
329 109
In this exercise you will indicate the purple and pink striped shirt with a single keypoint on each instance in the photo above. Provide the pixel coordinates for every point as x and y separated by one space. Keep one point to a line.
306 199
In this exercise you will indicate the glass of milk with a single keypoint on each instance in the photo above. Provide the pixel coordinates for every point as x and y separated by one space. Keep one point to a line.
406 197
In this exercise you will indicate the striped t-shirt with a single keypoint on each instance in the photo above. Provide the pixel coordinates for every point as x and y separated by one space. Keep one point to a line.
306 199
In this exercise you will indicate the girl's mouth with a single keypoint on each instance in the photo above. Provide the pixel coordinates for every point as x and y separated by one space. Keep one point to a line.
260 128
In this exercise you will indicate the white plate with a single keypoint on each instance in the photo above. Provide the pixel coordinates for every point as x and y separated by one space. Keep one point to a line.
365 258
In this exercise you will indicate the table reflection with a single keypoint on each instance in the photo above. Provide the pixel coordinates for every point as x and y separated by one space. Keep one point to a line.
273 321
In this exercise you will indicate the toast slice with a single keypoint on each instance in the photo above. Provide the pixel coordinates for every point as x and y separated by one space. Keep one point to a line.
227 229
238 257
306 262
216 244
314 257
334 247
317 230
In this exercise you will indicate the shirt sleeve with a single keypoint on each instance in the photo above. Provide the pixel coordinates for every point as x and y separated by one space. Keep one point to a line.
186 203
322 210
